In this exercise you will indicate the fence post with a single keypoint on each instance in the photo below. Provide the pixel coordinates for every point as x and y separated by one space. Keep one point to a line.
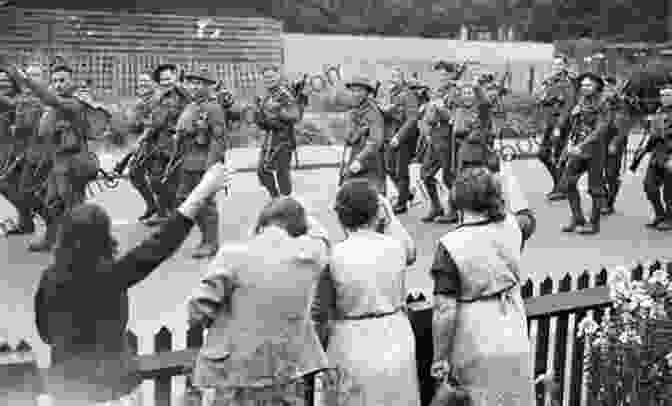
163 342
530 84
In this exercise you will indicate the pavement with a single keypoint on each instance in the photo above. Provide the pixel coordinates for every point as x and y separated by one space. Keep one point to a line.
160 299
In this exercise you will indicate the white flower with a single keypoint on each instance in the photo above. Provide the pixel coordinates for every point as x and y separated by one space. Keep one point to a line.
587 327
660 277
668 358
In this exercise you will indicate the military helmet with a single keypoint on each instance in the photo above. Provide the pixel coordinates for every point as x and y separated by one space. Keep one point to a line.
363 81
156 75
202 73
592 76
445 66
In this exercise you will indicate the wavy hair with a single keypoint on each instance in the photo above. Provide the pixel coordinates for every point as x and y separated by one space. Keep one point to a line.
356 204
478 190
285 212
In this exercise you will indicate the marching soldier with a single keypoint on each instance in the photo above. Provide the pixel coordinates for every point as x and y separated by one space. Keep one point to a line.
620 123
201 130
364 153
9 91
31 155
585 153
65 124
277 113
556 98
659 171
402 124
139 122
169 103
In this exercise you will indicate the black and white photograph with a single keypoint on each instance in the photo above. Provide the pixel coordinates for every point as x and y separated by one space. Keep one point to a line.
336 203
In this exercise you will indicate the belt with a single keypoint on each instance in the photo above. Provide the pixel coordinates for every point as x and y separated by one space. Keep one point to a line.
370 315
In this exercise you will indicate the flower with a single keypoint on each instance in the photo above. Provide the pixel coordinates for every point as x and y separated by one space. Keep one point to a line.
668 359
588 326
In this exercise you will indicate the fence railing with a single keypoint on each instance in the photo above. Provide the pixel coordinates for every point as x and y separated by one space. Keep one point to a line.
554 311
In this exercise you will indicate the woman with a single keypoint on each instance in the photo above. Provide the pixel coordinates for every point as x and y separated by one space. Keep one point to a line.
82 301
480 327
254 302
360 300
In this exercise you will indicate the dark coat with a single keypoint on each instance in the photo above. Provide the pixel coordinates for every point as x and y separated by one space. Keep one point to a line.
84 322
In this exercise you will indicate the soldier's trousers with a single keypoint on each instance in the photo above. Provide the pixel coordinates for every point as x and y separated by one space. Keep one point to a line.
34 174
655 179
441 154
207 219
139 178
274 167
612 173
165 193
398 161
550 151
575 168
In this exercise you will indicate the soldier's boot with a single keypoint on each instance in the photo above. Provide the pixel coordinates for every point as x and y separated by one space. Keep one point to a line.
608 208
435 210
578 220
208 223
164 203
658 210
448 218
401 206
151 207
47 240
593 227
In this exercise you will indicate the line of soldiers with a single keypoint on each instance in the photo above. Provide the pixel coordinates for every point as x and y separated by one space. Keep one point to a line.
383 139
587 120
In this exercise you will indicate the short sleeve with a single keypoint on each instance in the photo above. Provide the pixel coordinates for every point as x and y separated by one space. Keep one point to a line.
445 273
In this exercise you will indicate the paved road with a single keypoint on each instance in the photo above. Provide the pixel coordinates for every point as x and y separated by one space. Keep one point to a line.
159 300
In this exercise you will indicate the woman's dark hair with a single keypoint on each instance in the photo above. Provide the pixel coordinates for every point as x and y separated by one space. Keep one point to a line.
284 212
84 242
477 189
356 204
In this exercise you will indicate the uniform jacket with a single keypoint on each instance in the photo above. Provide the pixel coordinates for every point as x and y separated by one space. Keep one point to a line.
438 113
402 114
562 88
589 127
64 124
278 112
140 113
84 320
166 110
662 129
29 110
256 307
365 132
202 147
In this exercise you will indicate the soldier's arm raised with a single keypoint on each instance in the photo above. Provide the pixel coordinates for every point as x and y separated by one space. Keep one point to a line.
42 92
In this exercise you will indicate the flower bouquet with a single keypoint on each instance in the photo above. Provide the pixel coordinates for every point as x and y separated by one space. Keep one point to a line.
629 358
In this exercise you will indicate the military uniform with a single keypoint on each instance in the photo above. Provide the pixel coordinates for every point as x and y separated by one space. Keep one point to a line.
589 124
364 140
620 122
277 113
557 97
401 118
201 131
140 169
658 174
166 109
32 161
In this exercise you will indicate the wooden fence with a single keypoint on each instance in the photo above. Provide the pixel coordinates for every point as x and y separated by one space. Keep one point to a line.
554 310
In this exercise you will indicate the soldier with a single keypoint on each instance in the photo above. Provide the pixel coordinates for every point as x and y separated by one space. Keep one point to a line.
402 124
9 91
31 160
585 152
201 130
277 113
168 104
659 171
620 119
65 124
364 154
556 97
138 122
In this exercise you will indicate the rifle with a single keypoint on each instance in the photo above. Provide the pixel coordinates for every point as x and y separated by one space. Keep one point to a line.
646 144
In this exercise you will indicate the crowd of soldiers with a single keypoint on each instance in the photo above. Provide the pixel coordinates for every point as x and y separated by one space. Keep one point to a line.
181 119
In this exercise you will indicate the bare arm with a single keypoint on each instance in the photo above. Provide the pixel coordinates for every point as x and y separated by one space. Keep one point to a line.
213 295
395 229
446 290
